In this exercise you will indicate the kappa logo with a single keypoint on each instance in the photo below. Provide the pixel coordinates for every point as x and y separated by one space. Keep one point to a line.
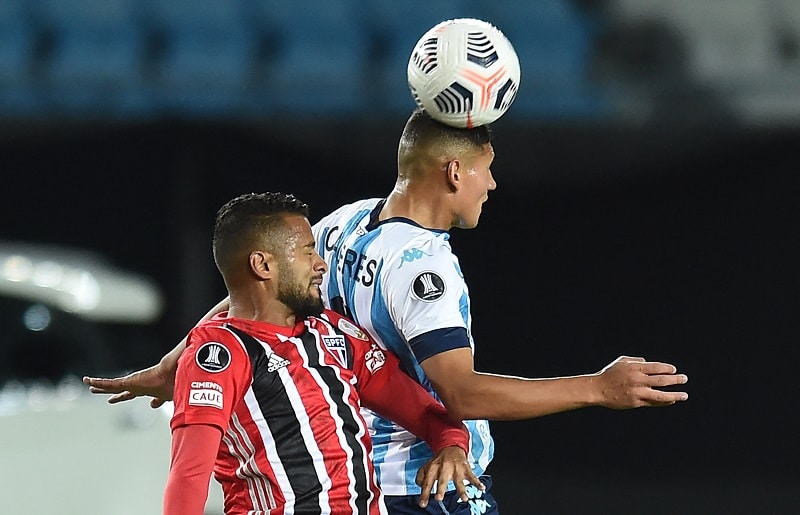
477 504
275 362
428 286
213 357
411 254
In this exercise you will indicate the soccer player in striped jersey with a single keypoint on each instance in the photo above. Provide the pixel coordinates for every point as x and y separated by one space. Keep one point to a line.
269 393
392 270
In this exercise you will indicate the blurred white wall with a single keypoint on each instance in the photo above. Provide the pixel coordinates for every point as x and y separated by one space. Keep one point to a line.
67 451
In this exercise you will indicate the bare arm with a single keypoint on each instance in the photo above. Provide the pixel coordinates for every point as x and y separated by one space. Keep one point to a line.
626 382
156 381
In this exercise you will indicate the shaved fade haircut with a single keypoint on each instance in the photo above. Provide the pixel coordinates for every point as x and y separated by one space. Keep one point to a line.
252 220
423 134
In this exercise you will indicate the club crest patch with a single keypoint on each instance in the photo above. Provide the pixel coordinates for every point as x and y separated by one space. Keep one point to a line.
350 329
428 286
337 346
213 357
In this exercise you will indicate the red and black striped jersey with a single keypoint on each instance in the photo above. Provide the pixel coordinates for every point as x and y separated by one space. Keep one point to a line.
288 400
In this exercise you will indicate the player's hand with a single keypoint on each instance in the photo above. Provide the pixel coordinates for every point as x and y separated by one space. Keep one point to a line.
632 382
157 382
449 464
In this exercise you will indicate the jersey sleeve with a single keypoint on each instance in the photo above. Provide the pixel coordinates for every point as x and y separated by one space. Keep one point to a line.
213 373
426 292
194 449
390 392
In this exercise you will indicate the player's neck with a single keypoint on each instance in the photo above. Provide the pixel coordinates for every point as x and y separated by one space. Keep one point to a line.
255 307
427 208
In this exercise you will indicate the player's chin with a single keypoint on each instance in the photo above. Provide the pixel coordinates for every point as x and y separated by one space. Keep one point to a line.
316 292
471 222
466 223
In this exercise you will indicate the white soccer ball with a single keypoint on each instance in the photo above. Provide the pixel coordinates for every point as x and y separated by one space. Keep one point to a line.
464 72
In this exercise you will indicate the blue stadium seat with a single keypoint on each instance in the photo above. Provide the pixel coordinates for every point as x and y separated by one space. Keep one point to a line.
396 27
316 58
203 56
17 40
553 40
17 48
96 58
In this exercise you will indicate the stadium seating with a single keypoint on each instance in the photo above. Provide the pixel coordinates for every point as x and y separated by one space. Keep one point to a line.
395 27
18 42
554 43
119 59
201 56
314 55
91 56
729 42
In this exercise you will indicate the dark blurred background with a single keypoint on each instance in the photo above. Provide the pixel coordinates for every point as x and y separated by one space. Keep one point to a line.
646 201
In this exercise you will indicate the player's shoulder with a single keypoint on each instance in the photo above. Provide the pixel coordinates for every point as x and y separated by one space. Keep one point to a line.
341 323
212 347
212 326
350 209
434 241
422 268
413 247
216 330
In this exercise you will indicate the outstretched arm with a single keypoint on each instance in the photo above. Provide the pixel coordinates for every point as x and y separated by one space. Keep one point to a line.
627 382
156 381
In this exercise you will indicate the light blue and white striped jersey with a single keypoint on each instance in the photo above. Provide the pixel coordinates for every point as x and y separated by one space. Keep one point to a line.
398 281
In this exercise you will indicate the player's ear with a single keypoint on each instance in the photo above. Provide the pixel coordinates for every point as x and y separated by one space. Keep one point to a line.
453 169
260 264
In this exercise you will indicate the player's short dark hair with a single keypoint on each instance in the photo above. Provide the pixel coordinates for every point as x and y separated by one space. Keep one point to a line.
247 219
422 128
